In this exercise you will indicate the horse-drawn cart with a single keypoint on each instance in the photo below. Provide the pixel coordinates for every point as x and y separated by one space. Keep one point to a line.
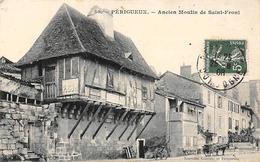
209 149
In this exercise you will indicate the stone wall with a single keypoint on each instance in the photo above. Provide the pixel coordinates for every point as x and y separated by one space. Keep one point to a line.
87 147
16 122
157 126
43 131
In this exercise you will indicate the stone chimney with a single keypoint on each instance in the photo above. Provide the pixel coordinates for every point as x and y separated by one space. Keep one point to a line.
104 18
185 70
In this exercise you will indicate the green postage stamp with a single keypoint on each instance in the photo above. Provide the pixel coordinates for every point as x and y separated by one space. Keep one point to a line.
225 56
223 65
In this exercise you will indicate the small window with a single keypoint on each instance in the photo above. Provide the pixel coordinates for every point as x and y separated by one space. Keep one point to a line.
219 102
40 70
237 124
173 103
74 67
219 122
188 141
229 123
96 80
110 78
229 105
209 122
50 74
144 92
129 56
67 68
243 123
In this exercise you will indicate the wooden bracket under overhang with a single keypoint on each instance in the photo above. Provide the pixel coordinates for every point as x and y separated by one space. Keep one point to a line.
102 122
92 119
81 116
119 122
152 115
136 124
129 123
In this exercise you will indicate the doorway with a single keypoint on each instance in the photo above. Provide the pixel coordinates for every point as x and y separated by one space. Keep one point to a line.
140 148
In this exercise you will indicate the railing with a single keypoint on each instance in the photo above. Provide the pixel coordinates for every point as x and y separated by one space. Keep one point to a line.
50 90
182 116
176 116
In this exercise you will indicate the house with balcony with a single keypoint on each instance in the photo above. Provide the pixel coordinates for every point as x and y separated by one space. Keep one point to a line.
95 79
179 113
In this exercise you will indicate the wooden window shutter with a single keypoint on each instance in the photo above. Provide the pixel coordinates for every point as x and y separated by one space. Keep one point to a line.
110 78
91 66
67 68
74 67
96 77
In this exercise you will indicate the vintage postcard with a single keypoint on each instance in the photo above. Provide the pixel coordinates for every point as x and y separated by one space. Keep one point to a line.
129 80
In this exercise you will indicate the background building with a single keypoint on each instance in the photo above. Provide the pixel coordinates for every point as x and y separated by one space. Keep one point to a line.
249 94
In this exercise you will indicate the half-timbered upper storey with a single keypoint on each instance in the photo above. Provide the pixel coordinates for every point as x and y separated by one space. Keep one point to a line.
79 56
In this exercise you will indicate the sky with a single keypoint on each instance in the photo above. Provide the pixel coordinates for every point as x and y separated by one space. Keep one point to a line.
165 41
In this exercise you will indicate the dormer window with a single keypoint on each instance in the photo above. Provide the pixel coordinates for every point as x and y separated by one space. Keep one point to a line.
129 56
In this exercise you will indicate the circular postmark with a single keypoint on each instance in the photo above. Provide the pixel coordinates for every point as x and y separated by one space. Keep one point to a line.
223 64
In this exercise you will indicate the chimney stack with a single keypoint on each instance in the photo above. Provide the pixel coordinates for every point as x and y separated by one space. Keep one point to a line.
104 18
185 70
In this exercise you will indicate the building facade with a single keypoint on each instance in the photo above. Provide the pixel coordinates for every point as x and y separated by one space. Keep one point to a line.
199 109
249 95
179 113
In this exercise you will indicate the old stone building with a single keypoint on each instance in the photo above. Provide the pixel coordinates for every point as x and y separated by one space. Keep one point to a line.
20 111
95 82
179 113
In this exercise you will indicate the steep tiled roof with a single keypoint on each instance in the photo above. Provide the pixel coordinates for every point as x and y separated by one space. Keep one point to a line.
70 32
8 66
179 86
4 60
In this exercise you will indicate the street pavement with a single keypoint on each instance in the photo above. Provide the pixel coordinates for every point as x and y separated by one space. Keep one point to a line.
229 156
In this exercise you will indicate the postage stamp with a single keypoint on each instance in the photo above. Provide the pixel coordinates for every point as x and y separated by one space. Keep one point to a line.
223 64
225 56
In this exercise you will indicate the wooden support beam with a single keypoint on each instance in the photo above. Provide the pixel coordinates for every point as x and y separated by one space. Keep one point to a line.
136 124
78 121
91 120
102 122
119 122
128 124
144 126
